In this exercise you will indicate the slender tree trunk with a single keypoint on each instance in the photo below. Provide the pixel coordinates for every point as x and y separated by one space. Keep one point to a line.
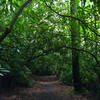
96 38
14 19
75 44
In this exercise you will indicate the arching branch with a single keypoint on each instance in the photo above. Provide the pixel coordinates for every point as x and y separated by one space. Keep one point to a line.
46 52
14 19
78 19
86 51
85 38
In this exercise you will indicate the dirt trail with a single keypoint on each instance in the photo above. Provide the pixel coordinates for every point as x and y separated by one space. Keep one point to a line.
46 88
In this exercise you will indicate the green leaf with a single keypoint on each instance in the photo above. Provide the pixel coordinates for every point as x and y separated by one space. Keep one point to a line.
1 74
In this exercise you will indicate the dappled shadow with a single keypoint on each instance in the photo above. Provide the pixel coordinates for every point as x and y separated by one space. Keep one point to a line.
45 88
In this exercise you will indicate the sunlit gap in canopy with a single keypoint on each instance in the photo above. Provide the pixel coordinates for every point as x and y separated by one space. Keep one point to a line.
86 3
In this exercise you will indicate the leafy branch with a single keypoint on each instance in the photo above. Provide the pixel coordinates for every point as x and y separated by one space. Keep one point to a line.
14 19
78 19
46 52
85 38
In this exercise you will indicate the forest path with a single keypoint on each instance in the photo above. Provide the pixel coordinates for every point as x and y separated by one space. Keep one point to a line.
45 88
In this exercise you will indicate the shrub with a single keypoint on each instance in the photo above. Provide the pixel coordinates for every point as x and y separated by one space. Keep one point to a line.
66 74
22 75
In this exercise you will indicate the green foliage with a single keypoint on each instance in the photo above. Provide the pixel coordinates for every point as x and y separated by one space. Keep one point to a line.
66 74
21 75
3 71
32 47
43 66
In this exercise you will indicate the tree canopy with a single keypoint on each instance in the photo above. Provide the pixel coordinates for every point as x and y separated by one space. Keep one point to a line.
59 37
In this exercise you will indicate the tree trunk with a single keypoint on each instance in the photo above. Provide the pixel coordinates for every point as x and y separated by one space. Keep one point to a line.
10 26
75 44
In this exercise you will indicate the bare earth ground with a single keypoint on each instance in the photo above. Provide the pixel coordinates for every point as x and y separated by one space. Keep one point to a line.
45 88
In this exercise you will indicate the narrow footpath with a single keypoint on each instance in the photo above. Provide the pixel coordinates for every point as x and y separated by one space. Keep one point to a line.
45 88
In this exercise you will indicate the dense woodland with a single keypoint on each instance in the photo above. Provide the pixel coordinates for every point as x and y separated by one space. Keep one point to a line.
46 37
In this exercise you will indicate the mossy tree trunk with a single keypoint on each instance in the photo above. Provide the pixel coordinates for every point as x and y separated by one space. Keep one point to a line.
75 43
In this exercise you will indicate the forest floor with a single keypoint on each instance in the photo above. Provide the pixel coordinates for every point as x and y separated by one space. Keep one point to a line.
45 88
